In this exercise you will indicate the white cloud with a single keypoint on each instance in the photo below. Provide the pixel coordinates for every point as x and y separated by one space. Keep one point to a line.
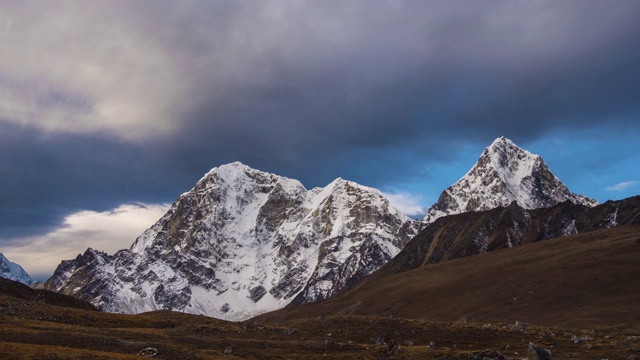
623 185
108 231
85 68
408 204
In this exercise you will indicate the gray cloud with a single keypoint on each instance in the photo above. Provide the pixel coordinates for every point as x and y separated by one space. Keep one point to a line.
109 102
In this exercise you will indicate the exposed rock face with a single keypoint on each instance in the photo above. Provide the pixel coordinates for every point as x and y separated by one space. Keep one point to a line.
243 242
12 271
503 174
472 233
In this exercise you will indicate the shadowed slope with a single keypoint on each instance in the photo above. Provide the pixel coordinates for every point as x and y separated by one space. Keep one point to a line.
588 280
21 291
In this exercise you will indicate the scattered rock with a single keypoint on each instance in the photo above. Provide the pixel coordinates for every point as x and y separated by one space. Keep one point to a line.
148 352
486 326
225 308
519 326
486 355
537 353
408 343
579 339
379 339
329 344
228 350
393 347
290 331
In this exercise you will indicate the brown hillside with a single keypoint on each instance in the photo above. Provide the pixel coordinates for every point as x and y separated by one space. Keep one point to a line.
588 280
21 291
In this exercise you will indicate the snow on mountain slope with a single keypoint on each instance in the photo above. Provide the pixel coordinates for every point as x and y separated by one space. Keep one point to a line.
12 271
504 173
243 242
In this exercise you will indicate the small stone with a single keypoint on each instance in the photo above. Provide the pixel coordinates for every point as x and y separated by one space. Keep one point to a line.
328 343
148 352
536 353
486 355
393 347
228 350
408 343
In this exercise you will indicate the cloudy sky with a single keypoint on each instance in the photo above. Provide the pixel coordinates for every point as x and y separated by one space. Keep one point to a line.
111 109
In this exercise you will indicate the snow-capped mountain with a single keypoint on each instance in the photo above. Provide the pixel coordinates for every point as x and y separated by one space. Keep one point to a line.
243 242
12 271
503 174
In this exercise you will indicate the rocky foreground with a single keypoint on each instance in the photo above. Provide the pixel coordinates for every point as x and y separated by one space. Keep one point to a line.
35 325
33 330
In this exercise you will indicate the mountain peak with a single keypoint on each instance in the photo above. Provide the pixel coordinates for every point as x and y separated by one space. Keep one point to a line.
13 271
504 146
242 242
503 174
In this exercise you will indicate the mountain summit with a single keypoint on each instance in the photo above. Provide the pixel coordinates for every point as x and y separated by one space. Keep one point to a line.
243 242
504 173
12 271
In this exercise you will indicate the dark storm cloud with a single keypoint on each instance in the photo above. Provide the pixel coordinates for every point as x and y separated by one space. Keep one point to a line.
46 177
369 91
414 77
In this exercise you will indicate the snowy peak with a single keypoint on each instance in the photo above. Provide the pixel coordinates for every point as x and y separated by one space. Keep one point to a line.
13 271
503 174
243 242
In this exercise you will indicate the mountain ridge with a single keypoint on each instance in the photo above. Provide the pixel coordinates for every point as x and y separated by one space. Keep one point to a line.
551 277
243 242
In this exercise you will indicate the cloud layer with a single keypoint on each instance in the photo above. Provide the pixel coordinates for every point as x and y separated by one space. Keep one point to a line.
110 102
105 231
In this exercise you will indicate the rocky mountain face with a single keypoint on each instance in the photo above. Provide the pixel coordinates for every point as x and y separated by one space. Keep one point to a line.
473 233
243 242
12 271
504 173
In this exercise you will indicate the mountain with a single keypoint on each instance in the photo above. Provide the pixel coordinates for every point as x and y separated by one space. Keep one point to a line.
474 233
567 265
504 173
244 242
13 271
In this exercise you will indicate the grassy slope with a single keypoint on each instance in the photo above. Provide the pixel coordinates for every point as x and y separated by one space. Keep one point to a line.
586 280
